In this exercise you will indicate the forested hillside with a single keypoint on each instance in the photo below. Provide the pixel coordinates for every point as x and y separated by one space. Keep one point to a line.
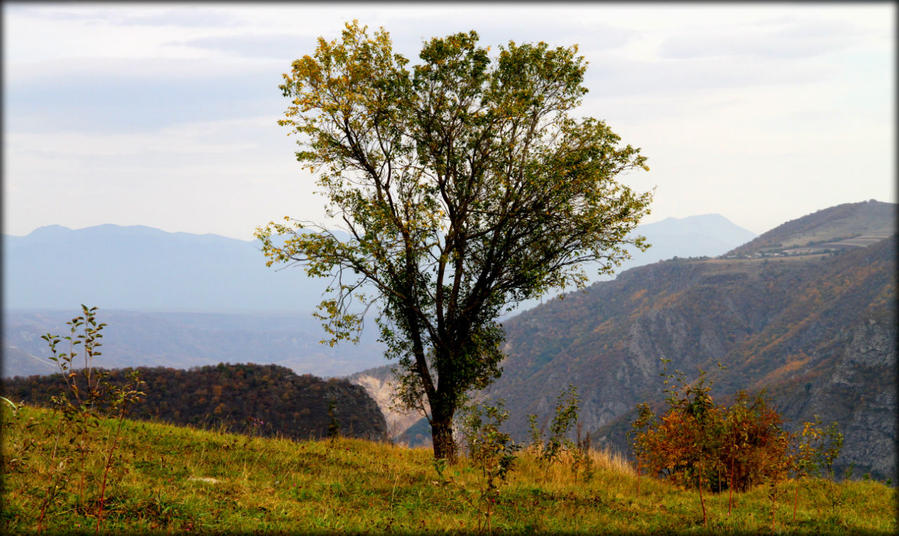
265 400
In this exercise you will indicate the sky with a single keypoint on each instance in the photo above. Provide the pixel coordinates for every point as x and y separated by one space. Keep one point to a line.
165 115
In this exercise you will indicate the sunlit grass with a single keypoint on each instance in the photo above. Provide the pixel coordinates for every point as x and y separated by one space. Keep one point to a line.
176 479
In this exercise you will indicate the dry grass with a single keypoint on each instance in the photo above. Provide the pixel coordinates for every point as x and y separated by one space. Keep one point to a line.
177 479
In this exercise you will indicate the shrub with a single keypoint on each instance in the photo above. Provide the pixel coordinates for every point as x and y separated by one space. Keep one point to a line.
698 443
815 448
582 462
491 451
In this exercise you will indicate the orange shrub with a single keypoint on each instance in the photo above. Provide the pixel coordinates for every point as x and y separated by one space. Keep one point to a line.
699 443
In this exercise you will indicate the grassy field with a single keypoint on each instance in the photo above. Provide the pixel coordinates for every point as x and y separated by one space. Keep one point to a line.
174 479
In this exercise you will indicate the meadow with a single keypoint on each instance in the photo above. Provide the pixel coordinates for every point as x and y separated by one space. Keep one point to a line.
168 479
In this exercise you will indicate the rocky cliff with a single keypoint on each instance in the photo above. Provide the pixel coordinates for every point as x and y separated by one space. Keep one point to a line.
379 383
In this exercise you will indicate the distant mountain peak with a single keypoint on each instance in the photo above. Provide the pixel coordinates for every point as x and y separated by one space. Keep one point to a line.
116 229
711 223
710 216
48 230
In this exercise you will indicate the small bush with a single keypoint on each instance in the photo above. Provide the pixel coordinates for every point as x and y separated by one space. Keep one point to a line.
491 451
697 442
700 444
78 443
815 448
551 450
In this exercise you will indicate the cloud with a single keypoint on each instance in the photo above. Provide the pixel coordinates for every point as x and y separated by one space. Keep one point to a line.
254 45
788 40
117 95
190 18
200 138
122 114
183 16
609 76
524 25
521 28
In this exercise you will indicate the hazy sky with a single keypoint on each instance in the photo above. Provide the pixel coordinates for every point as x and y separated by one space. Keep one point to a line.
165 115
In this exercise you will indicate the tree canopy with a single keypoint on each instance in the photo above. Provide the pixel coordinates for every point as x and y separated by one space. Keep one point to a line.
465 183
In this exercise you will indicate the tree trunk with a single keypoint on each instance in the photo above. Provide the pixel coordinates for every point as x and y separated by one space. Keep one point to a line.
705 520
730 500
442 435
443 408
639 467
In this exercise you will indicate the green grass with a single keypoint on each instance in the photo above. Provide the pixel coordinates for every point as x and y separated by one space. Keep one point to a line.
175 479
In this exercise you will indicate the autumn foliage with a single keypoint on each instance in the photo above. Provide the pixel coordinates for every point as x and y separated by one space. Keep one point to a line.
253 399
698 443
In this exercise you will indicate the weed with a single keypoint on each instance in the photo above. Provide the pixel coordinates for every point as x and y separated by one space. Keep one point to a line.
125 396
10 403
440 467
492 451
551 451
85 396
581 460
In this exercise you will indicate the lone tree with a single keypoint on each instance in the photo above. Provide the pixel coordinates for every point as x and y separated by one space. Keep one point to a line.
464 184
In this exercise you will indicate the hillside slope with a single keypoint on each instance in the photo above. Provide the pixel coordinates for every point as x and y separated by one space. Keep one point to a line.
817 330
846 225
830 352
176 480
706 235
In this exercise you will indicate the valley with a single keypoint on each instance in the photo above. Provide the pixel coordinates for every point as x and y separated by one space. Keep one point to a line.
805 311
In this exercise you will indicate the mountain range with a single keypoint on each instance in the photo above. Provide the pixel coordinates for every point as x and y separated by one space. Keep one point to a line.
183 300
146 269
141 268
184 340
